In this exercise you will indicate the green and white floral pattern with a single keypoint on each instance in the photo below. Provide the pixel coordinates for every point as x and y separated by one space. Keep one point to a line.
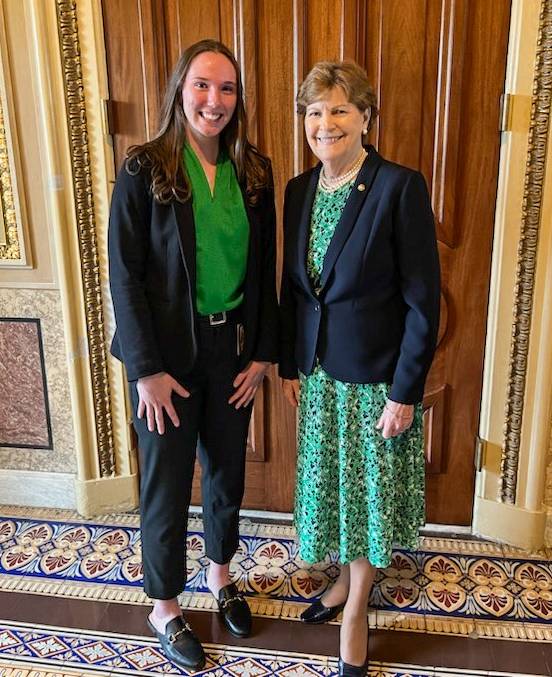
357 494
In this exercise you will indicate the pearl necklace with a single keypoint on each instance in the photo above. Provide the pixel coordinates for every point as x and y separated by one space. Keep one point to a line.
331 185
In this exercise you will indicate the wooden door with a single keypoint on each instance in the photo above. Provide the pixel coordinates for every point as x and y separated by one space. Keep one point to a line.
438 77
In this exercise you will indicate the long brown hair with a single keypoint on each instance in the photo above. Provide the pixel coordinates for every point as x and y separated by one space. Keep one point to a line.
163 154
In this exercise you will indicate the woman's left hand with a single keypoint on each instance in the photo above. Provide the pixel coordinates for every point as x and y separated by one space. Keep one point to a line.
395 419
247 382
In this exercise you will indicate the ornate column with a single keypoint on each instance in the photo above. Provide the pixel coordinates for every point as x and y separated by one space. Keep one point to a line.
81 157
517 395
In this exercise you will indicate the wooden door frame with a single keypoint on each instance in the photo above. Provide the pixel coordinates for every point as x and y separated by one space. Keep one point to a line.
353 44
515 431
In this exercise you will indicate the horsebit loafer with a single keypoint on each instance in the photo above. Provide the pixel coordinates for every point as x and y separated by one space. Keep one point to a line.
348 670
318 613
179 644
234 610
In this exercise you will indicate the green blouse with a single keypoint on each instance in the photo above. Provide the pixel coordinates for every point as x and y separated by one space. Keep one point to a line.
221 232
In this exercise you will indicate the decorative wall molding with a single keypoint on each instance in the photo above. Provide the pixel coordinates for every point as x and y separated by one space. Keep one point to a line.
548 494
299 72
85 215
527 254
12 240
453 35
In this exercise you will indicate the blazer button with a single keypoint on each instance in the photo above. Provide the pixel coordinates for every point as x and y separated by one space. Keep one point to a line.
317 307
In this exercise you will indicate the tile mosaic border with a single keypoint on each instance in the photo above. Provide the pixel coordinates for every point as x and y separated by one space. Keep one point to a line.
121 654
378 670
290 611
267 567
471 546
44 651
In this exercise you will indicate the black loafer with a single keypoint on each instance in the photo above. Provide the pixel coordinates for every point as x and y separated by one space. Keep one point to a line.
318 613
235 611
348 670
180 645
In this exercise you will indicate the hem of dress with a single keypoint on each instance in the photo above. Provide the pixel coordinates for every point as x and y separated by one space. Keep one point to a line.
381 563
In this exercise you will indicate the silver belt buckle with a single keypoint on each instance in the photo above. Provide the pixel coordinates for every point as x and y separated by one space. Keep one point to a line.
214 322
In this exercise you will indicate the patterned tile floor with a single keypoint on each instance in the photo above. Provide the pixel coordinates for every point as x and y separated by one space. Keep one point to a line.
460 587
27 650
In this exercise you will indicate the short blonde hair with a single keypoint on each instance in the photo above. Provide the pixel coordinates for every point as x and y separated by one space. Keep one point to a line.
348 75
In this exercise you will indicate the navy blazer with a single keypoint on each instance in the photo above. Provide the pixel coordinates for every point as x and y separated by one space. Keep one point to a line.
375 315
152 274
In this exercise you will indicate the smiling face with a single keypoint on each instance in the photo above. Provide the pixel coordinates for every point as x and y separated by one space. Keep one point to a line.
334 129
209 95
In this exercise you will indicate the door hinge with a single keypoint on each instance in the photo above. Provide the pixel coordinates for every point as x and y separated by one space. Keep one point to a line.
107 117
480 449
505 121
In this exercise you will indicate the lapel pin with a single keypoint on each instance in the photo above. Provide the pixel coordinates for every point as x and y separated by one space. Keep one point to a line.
361 187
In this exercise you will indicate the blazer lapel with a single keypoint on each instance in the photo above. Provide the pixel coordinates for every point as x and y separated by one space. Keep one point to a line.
350 212
184 217
303 229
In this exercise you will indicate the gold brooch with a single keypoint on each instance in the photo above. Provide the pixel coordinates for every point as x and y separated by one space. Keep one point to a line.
361 187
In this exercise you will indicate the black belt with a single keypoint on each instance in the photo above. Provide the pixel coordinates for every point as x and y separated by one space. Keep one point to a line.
217 319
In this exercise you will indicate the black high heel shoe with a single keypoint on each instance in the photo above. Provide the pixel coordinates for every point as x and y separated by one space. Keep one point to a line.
317 613
347 670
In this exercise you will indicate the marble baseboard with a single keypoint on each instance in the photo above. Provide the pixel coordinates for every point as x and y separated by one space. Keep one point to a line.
37 489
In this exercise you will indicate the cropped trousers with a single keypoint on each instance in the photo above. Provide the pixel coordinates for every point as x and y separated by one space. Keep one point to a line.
167 464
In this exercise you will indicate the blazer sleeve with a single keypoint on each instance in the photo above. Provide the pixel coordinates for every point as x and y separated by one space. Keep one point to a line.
418 263
128 243
288 330
266 349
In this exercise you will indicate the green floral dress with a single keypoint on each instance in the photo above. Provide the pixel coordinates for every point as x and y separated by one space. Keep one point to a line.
357 494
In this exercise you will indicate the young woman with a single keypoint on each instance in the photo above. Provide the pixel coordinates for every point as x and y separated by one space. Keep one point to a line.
192 273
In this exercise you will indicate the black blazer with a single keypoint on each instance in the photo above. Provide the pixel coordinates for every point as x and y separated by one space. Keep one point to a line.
152 274
375 316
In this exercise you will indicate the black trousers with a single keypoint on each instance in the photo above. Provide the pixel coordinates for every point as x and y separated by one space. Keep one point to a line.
167 465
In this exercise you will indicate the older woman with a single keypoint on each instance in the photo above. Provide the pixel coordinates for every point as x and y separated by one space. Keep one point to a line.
360 313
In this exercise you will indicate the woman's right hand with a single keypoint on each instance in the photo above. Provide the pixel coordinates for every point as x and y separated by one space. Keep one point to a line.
155 397
291 388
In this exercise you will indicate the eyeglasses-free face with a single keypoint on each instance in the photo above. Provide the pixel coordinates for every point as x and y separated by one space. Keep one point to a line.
209 95
334 128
